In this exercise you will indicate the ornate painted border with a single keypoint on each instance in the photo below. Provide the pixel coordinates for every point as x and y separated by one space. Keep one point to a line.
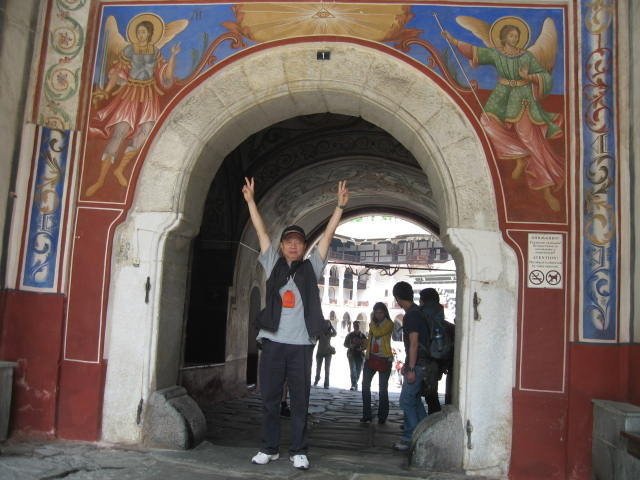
41 259
59 101
61 83
599 141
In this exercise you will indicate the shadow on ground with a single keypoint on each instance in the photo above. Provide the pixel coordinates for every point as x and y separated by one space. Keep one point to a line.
340 445
341 448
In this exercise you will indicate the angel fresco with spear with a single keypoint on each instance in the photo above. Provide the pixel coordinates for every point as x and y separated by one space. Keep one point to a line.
137 76
516 123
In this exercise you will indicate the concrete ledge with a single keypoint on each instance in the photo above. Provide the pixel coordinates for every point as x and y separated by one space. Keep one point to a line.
633 442
611 459
610 418
438 441
172 419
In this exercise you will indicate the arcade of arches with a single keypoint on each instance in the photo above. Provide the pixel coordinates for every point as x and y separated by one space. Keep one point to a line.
108 267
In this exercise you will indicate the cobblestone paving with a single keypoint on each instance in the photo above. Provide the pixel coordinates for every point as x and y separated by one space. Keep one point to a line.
334 422
341 448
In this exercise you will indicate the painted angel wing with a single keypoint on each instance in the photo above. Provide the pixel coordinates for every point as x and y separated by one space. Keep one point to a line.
478 27
114 42
172 29
113 45
546 45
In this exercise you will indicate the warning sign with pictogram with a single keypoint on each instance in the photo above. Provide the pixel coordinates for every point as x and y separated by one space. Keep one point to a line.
545 260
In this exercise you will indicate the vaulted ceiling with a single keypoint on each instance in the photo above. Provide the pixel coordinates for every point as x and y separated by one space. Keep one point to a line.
296 165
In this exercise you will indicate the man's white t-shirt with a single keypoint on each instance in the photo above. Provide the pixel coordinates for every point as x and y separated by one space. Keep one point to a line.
292 328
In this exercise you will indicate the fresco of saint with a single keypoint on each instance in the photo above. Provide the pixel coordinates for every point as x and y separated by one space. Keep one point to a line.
137 76
516 123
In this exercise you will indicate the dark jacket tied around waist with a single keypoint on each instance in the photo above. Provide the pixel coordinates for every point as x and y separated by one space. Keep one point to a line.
307 283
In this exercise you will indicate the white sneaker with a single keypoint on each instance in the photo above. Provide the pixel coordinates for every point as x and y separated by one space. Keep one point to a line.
300 461
401 446
262 458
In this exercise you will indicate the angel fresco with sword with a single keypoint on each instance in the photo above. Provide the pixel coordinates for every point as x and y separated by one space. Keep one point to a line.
516 123
137 76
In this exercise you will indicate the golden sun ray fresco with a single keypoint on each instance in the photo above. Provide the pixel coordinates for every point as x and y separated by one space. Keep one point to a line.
264 22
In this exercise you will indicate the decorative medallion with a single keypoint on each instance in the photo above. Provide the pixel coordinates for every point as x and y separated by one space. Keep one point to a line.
63 65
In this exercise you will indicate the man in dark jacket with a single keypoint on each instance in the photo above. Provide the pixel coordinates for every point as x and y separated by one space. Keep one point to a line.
289 325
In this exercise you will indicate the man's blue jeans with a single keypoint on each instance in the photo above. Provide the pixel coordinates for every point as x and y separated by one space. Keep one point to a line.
355 366
411 404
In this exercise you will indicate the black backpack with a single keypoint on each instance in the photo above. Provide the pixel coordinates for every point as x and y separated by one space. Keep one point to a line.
441 335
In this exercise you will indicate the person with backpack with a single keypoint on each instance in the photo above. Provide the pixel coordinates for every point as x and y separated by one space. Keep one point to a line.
439 347
414 334
446 365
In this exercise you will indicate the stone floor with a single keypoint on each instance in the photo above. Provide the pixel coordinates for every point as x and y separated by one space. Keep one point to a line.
341 448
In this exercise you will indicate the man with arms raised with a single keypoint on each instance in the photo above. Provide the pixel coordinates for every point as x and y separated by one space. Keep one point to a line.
289 325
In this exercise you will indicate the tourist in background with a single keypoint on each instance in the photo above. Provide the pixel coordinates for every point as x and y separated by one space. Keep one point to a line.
434 315
354 343
324 352
378 359
415 333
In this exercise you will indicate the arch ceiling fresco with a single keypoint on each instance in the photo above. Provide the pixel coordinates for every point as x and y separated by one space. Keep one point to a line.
534 83
188 41
172 46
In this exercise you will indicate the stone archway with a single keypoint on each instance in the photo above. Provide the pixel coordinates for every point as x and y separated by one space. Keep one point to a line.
264 87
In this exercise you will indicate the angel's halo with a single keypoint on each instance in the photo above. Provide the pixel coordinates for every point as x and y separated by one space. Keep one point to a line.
153 19
517 22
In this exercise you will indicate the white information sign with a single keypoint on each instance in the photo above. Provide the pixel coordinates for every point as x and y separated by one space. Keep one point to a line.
545 261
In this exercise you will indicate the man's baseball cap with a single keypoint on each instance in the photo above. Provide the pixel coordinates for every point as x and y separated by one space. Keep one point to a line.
293 230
